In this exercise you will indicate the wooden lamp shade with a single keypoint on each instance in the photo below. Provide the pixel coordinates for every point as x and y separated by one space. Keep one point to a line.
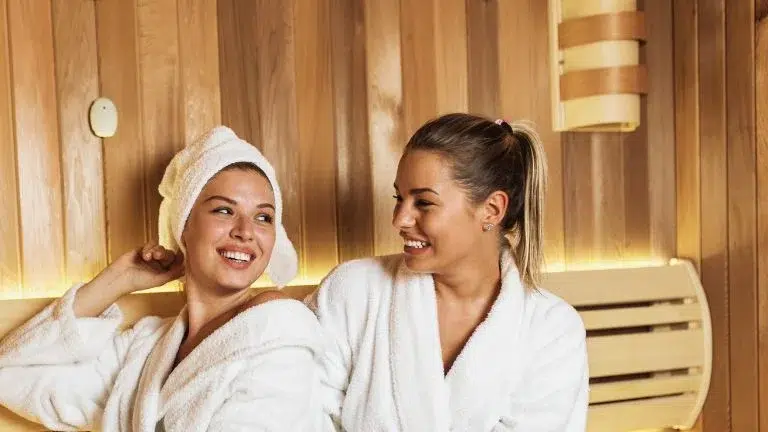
597 78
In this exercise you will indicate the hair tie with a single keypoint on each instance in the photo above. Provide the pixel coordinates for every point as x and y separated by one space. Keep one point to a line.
507 127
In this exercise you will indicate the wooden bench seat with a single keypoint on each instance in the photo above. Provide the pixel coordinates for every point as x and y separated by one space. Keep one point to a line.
648 337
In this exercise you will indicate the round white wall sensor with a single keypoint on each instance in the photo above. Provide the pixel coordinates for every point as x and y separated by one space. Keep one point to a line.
103 118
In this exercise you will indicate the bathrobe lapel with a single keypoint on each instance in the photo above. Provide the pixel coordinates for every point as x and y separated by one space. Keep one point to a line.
476 390
490 366
417 366
146 412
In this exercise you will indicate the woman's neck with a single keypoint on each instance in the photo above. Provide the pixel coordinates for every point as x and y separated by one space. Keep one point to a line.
207 311
476 277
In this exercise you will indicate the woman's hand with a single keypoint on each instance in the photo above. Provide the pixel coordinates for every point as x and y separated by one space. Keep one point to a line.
146 267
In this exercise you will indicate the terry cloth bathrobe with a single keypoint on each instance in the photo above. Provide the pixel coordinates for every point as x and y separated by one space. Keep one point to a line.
255 373
524 368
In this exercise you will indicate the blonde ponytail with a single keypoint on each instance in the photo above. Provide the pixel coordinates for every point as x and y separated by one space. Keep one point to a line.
528 251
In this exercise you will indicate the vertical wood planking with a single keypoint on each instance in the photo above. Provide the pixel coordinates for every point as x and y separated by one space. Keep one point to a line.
660 127
761 117
524 95
10 247
353 167
77 82
116 28
687 149
31 42
314 92
579 198
635 235
233 83
159 72
385 114
419 69
271 30
714 204
451 67
742 254
609 182
199 68
483 57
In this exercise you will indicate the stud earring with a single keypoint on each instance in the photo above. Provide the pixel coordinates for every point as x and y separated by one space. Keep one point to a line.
487 227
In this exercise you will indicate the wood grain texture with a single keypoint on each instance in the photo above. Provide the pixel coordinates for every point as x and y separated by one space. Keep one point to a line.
77 85
353 166
742 235
483 57
160 94
714 204
314 93
579 198
687 148
10 242
233 76
419 68
451 67
610 196
199 68
660 132
761 118
638 188
385 114
271 29
524 88
116 26
37 138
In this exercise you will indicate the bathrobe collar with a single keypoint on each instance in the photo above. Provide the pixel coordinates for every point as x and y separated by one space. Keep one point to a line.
486 366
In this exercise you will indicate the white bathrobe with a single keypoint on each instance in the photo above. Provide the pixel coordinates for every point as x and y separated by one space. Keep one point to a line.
523 369
255 373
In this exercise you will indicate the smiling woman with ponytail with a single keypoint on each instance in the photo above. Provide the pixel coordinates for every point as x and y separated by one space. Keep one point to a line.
454 332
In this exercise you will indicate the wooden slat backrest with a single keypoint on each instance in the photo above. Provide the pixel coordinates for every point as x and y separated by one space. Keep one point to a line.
649 341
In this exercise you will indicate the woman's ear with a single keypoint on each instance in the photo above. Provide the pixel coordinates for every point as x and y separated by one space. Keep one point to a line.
495 207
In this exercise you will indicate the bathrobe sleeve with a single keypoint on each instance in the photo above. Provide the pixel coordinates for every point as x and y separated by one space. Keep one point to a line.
339 322
57 369
556 394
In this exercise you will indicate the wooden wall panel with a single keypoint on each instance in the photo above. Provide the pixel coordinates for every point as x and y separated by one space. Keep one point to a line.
233 73
451 69
77 82
714 204
761 117
483 57
524 95
419 69
742 212
314 92
37 138
199 64
273 25
687 147
119 78
160 95
595 215
10 250
660 133
353 160
385 115
579 227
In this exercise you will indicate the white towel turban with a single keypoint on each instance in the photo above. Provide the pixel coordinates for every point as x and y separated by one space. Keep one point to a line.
190 170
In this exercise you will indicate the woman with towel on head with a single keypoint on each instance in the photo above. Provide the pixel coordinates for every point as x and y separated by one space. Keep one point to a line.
454 333
229 361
